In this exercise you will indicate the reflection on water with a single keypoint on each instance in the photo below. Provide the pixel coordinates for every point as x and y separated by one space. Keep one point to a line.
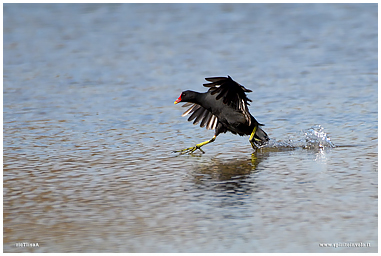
232 176
89 127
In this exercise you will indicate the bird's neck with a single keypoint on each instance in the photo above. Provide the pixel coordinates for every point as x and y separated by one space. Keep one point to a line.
198 98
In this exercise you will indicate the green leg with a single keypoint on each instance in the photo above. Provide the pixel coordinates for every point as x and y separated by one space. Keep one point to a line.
252 137
198 146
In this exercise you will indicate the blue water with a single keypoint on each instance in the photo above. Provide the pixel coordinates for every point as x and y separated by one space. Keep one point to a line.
89 127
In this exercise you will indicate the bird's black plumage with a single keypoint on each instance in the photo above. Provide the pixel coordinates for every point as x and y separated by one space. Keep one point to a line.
224 107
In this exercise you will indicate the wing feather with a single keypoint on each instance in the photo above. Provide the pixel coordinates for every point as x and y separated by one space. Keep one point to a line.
214 121
199 113
232 93
196 113
200 116
191 109
205 119
187 104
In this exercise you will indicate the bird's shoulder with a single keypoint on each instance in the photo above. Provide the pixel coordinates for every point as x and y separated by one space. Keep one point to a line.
232 93
228 89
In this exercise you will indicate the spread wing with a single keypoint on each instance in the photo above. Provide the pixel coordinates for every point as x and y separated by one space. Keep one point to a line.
199 113
233 93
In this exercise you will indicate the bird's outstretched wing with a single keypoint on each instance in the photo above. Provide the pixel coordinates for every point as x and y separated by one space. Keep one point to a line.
199 113
233 93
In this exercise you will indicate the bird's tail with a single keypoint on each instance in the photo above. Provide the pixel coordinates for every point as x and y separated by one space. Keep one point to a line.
261 138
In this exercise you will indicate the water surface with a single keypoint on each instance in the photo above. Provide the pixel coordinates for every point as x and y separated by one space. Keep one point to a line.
90 126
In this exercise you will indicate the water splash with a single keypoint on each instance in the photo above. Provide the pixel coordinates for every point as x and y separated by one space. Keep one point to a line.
315 137
311 138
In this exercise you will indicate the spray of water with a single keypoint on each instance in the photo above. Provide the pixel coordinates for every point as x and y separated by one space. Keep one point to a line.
311 138
315 137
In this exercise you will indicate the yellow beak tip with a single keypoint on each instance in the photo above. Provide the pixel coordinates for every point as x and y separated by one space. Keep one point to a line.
175 102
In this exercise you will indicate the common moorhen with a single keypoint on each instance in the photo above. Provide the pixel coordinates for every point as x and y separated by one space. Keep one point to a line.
223 108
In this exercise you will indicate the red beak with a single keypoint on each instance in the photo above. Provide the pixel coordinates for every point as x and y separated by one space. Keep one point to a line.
178 100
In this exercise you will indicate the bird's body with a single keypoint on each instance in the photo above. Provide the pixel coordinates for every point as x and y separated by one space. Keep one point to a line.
223 108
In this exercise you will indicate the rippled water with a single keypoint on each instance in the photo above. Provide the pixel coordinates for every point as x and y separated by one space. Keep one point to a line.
89 128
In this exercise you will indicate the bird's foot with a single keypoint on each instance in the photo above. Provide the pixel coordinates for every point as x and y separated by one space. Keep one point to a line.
257 144
198 146
255 147
189 150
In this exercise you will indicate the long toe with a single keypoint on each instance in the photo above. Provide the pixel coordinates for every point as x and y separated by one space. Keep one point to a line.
189 150
253 145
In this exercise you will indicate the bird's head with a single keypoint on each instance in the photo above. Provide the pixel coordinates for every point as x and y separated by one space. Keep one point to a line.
186 96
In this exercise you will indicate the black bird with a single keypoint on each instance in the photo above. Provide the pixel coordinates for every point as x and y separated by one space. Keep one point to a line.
223 108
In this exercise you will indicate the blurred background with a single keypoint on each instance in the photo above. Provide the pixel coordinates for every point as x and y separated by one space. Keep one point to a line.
89 127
